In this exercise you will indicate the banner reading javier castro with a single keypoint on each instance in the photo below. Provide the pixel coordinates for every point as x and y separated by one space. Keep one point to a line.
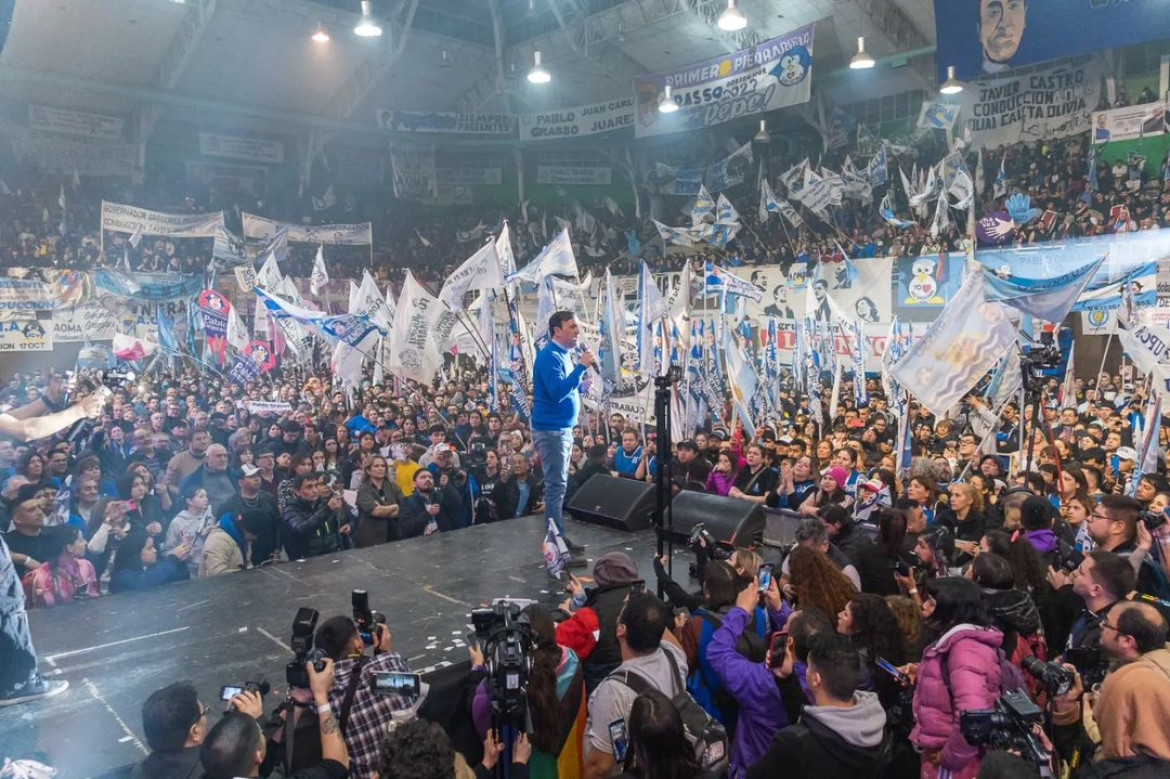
980 37
771 75
1046 103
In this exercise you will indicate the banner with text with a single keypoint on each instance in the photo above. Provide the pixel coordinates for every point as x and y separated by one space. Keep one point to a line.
578 120
1130 123
572 174
58 120
91 321
766 77
240 147
260 228
120 218
446 122
1046 104
25 335
414 171
64 156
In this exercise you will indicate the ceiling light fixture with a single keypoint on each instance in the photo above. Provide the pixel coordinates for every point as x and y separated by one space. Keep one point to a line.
862 60
367 27
445 62
538 74
732 19
320 35
952 86
667 105
531 8
763 136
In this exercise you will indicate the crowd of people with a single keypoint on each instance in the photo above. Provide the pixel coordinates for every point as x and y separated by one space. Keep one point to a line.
907 602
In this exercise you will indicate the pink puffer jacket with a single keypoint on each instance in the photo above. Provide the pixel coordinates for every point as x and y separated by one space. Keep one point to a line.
975 678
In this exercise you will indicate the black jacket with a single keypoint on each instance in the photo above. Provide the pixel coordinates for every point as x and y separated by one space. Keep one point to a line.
507 496
812 748
413 517
172 764
872 566
311 528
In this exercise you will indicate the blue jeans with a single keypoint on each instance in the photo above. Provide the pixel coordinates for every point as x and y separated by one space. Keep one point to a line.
554 448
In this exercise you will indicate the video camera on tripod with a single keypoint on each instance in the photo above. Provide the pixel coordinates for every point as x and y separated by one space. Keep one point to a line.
1041 361
507 640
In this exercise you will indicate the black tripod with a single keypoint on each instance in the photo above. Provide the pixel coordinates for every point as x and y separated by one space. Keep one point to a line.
1034 364
664 477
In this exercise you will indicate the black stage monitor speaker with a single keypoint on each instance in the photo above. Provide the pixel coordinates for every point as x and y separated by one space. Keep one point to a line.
623 504
737 522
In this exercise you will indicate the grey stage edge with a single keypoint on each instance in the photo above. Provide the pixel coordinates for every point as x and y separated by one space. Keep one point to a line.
224 631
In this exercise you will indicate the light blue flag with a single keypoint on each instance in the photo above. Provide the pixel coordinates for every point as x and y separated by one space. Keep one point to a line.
347 328
857 353
167 339
545 307
878 172
742 382
612 325
650 309
556 259
1044 283
957 350
1147 455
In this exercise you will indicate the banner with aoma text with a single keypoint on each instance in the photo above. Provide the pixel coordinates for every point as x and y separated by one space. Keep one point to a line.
771 75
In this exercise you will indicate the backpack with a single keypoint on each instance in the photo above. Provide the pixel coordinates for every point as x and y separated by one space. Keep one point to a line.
749 644
703 731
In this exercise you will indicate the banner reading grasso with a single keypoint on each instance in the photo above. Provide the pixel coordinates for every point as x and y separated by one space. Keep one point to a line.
578 120
120 218
989 36
1048 103
260 228
772 75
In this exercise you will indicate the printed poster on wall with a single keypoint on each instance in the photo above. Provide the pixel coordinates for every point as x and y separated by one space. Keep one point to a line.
1047 103
1130 123
769 76
578 120
990 36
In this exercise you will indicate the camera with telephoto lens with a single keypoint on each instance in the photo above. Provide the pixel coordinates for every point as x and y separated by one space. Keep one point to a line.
476 457
1066 557
1053 677
507 640
1090 662
701 537
1008 727
364 619
304 625
1154 519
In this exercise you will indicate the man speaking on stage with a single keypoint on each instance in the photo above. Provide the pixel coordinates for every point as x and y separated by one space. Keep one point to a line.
556 403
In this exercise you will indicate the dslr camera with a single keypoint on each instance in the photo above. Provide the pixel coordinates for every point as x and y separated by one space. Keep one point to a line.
702 540
364 618
304 625
1053 677
1090 662
1154 519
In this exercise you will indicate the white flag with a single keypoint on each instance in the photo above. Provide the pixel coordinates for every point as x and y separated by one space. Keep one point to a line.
414 350
479 271
320 276
269 275
556 259
725 213
237 334
136 236
369 301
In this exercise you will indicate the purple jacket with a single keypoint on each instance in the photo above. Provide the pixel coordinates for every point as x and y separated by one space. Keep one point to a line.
720 483
1043 540
761 710
975 682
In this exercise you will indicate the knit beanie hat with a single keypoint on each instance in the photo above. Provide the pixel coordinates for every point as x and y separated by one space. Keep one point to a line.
839 475
614 568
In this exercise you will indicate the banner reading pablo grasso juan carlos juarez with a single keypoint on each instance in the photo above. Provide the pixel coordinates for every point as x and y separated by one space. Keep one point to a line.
774 74
578 120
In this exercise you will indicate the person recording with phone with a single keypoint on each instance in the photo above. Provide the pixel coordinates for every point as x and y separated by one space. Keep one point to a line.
236 748
312 523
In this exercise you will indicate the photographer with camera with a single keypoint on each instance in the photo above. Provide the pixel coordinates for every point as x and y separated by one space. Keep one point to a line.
1127 716
174 722
362 714
591 631
236 748
1102 580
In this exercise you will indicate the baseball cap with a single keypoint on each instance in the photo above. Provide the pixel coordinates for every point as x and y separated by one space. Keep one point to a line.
1127 453
250 470
875 485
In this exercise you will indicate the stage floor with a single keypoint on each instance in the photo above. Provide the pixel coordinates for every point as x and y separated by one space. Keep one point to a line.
117 650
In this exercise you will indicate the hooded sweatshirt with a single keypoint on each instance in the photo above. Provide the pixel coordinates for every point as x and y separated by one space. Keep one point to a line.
193 528
829 742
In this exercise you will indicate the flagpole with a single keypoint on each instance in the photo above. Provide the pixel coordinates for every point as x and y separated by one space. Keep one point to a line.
1104 357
